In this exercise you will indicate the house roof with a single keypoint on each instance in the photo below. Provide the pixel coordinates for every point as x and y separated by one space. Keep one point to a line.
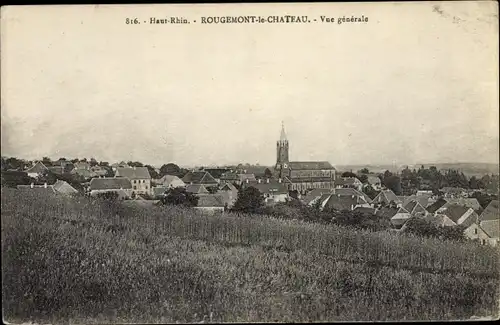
210 201
273 187
83 172
159 190
133 172
110 183
454 211
310 165
414 207
340 203
387 212
422 199
436 205
491 227
467 202
82 165
196 188
169 179
63 187
199 177
350 192
315 193
492 211
39 168
373 180
386 196
228 187
37 189
347 181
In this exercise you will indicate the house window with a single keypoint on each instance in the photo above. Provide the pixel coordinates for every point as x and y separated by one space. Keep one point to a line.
475 231
135 187
133 181
484 241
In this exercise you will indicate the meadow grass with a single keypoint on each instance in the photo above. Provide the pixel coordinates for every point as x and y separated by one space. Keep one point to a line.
81 260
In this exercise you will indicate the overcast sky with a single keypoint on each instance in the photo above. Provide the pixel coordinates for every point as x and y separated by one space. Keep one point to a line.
415 84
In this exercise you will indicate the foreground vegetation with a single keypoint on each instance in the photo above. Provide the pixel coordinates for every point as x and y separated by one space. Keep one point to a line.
83 260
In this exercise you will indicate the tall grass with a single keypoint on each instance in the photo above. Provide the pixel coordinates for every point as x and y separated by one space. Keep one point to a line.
81 260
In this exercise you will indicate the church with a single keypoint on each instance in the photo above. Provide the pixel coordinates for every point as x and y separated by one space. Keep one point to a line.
301 175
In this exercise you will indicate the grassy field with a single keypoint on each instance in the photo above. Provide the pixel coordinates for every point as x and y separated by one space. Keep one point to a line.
76 260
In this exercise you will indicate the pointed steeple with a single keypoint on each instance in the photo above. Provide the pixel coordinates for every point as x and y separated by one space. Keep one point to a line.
283 134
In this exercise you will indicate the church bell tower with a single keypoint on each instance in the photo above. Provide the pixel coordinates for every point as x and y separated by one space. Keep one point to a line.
282 151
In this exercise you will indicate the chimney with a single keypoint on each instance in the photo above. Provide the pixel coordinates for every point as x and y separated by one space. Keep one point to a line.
246 180
259 180
32 185
45 185
134 167
352 207
279 180
267 180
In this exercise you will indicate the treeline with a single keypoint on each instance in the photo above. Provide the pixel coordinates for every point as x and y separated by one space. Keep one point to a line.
411 180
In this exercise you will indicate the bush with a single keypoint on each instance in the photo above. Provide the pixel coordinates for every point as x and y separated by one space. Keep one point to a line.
179 196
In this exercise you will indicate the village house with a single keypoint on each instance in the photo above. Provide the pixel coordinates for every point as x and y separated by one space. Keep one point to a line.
273 190
385 197
210 203
37 170
360 198
490 222
401 216
38 189
229 194
82 165
196 189
83 173
476 232
453 192
138 176
121 164
199 178
375 182
171 181
237 178
63 187
415 208
349 182
121 185
158 191
301 176
314 194
457 215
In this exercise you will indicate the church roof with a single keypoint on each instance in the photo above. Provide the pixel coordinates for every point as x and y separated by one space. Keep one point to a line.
283 134
308 165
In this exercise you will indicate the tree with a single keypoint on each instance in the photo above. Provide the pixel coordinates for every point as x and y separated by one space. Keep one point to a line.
364 171
363 178
135 164
393 183
348 174
268 173
370 191
93 162
152 172
179 196
169 169
249 200
46 161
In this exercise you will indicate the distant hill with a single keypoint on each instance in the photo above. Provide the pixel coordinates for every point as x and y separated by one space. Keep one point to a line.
469 169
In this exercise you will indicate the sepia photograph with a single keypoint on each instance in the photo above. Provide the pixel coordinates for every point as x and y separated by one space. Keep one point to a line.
251 162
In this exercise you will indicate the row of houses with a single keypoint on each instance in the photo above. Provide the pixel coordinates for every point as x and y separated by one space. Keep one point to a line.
445 212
